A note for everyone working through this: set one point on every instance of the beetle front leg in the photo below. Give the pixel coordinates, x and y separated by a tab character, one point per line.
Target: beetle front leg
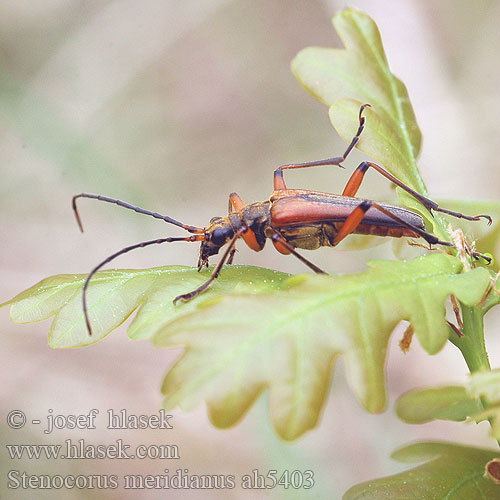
227	254
231	256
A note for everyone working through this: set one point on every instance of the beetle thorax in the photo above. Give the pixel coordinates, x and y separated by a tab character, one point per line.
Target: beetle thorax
220	230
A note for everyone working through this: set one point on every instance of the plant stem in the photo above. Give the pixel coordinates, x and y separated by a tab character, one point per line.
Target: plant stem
472	345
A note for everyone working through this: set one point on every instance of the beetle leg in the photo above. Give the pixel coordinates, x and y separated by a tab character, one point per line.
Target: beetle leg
354	182
277	238
235	203
231	256
352	186
227	254
352	221
356	216
430	238
279	182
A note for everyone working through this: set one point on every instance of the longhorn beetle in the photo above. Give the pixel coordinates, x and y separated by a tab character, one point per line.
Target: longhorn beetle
293	218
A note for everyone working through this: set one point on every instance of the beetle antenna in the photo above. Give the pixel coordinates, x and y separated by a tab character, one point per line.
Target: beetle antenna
198	237
191	229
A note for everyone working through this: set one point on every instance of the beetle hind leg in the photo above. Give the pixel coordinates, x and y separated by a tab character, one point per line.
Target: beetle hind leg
357	177
430	238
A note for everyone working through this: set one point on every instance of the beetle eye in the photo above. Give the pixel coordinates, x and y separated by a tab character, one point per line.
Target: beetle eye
218	237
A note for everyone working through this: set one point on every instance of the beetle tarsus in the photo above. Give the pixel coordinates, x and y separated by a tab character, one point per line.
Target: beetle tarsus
185	297
479	256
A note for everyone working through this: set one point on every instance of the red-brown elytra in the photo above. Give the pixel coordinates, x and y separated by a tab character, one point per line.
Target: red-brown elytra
293	218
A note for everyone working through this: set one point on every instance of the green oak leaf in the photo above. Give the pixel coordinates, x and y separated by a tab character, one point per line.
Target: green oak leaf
256	328
114	295
449	471
478	399
343	79
288	340
442	403
486	384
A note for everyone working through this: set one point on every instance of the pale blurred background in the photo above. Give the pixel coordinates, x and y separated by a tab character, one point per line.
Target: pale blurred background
171	106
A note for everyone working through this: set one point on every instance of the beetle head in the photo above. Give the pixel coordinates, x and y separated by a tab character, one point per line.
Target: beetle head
217	234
